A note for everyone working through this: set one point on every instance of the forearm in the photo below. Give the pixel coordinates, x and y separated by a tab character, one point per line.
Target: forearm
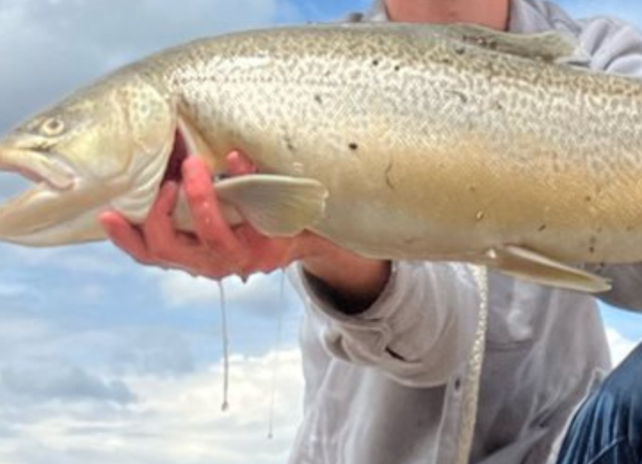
418	331
350	281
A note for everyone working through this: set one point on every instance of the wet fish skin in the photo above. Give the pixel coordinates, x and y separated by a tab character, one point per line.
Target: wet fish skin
416	142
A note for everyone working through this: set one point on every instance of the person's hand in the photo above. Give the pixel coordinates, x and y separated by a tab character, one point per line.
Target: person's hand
216	251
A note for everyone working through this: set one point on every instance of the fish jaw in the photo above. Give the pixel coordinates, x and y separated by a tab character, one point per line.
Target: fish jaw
43	216
55	210
35	166
25	214
62	206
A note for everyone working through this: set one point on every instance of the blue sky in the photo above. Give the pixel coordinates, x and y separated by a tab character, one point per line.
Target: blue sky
102	360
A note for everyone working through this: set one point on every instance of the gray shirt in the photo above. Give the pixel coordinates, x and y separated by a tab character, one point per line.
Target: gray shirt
384	387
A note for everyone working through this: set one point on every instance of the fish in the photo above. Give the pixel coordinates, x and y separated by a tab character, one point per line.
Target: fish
396	141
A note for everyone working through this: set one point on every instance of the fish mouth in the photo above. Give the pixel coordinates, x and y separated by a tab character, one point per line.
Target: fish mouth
58	196
37	167
46	169
51	177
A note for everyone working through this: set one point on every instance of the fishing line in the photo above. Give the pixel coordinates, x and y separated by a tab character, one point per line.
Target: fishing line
470	399
226	342
275	356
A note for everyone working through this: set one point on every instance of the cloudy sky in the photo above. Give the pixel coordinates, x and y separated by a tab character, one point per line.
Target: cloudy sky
104	361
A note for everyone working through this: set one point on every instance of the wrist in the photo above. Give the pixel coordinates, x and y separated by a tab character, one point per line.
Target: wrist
350	282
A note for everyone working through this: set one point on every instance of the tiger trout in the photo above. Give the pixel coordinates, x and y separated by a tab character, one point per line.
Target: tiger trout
422	142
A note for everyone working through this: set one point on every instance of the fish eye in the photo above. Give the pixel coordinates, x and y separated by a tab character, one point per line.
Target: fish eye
52	127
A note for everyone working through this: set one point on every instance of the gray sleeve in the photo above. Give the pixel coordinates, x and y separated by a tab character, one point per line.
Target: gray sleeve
420	329
615	47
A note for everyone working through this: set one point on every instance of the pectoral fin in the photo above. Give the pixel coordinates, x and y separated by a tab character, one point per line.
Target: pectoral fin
522	263
275	205
182	217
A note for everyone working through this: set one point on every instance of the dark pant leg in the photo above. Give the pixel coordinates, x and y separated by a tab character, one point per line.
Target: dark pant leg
607	429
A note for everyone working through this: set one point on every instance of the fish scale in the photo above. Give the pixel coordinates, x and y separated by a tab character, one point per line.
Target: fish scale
406	142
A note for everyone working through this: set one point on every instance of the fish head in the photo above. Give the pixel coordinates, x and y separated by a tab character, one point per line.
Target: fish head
106	146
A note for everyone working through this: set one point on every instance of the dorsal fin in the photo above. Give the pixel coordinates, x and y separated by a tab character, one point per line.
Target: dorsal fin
548	46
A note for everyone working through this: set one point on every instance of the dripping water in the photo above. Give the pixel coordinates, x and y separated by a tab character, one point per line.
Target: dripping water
275	356
226	355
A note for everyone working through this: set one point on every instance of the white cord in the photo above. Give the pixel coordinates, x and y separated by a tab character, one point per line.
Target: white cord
475	362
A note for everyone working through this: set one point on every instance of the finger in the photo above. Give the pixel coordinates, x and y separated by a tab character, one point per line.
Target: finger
209	224
267	253
124	236
236	164
166	200
158	230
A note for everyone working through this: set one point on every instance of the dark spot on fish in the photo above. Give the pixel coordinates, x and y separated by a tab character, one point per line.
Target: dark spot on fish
588	198
542	228
492	70
591	249
289	143
479	40
353	146
397	68
460	95
317	98
375	62
411	241
472	189
388	171
459	50
499	106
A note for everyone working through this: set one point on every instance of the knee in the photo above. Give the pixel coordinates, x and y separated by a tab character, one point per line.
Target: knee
624	384
617	404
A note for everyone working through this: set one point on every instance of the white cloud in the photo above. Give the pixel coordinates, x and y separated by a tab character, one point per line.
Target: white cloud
174	420
620	345
161	353
9	289
180	289
620	9
72	392
55	383
48	48
100	259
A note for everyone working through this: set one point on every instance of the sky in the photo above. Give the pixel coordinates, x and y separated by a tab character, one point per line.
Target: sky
102	360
